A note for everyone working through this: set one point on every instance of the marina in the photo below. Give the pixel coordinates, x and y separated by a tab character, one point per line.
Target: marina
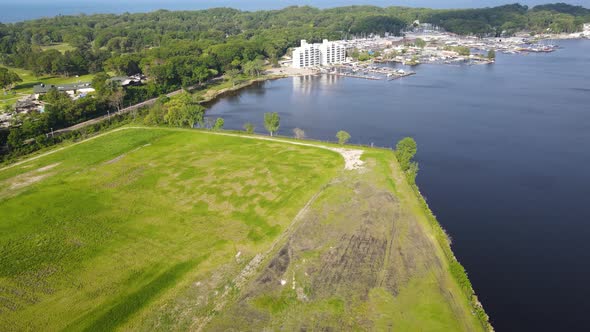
366	71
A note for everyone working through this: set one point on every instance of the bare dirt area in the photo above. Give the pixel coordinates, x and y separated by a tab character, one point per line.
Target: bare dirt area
355	238
10	186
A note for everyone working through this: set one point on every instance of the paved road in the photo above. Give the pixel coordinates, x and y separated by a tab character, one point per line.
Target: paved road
148	102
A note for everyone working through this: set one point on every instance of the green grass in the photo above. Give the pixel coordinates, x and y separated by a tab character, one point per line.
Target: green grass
99	235
61	47
147	229
29	80
365	258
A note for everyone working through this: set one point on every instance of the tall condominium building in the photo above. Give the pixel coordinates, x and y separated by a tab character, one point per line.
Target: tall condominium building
311	55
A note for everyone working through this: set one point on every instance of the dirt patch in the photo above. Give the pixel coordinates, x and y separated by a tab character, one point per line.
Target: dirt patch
48	167
114	160
21	182
352	158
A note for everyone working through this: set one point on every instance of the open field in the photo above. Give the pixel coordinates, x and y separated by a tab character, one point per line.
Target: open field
61	47
25	87
164	229
363	258
100	233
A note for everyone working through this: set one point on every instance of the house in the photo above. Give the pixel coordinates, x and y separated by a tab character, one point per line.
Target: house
133	80
28	104
70	89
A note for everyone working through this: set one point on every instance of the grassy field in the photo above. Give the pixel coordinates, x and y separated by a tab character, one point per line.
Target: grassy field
364	258
96	236
61	47
25	87
156	229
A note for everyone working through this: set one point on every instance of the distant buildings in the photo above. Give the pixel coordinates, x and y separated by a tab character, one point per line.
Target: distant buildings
71	89
125	81
314	55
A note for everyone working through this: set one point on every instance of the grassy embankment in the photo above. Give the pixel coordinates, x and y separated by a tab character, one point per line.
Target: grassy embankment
149	228
25	87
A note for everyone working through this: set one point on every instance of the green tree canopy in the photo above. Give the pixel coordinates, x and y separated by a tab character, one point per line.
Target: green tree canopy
405	150
342	137
272	121
8	78
249	127
218	124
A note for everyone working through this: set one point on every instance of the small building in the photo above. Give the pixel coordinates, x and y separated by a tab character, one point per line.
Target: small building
27	105
133	80
5	119
70	89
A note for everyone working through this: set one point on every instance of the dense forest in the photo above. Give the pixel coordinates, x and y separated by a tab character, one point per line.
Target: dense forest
182	48
169	45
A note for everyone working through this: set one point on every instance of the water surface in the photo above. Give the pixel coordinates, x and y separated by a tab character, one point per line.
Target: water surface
504	153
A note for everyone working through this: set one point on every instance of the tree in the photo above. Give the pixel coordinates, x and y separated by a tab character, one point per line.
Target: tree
182	112
272	122
299	133
254	68
116	98
492	54
201	74
420	43
231	75
8	78
249	128
405	150
218	124
194	115
342	137
100	84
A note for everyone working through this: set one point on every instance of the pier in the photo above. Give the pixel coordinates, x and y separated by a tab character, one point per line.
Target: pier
369	72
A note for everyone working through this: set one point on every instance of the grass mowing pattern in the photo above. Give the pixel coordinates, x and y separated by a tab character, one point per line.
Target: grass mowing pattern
130	304
108	230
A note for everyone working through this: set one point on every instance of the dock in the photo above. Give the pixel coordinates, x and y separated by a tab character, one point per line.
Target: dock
370	73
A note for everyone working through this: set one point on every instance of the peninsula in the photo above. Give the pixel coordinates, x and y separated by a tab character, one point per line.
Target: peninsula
125	207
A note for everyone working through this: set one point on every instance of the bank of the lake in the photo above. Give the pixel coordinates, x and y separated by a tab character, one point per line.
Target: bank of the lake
502	150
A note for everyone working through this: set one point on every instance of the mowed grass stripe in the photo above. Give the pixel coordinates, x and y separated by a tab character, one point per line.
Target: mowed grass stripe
76	243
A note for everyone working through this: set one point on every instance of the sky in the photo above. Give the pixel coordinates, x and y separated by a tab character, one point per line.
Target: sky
17	10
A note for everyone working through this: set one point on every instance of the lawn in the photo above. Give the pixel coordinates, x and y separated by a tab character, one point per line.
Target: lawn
157	229
100	235
61	47
29	80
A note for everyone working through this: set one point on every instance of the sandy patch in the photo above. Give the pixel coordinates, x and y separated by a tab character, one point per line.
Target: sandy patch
24	181
352	158
114	160
48	167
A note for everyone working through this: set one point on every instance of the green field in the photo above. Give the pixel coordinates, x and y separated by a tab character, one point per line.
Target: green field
165	229
61	47
25	87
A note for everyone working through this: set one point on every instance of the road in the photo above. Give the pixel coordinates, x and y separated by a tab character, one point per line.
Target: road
148	102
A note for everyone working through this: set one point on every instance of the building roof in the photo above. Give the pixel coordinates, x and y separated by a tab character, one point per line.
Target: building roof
44	88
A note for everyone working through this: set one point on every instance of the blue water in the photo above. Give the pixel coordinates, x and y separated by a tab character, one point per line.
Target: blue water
504	153
13	11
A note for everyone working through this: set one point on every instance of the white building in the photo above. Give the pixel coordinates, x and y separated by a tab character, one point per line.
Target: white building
312	55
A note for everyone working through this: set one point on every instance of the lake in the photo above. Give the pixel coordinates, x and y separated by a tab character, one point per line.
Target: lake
504	154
